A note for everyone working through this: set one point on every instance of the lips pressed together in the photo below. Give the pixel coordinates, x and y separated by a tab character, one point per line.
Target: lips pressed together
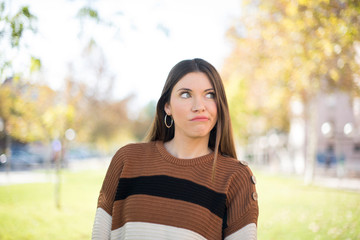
200	118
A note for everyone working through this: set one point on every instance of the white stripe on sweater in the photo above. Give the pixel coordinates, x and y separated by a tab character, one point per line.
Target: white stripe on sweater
248	232
149	231
152	231
102	225
138	230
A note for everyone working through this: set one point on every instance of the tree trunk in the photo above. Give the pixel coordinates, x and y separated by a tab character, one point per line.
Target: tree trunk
59	163
7	148
310	139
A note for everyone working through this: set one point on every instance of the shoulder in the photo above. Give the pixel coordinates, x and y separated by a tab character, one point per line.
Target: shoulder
136	148
241	180
233	165
238	172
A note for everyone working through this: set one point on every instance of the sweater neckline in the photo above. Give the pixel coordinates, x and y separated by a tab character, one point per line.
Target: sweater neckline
181	161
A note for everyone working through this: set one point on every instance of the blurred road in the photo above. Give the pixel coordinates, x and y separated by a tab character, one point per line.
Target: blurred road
32	176
352	184
20	177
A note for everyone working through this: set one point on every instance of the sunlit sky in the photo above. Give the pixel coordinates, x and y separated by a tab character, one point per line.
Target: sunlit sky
150	37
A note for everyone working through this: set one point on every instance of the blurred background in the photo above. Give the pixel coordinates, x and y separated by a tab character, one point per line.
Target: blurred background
79	79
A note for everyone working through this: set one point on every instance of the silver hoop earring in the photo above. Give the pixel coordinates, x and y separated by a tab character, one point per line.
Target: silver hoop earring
171	123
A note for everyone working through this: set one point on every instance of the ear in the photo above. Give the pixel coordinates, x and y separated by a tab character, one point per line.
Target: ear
167	109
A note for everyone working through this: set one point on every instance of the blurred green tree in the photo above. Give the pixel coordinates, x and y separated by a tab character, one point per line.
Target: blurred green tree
100	119
12	29
290	49
142	123
18	112
12	108
34	112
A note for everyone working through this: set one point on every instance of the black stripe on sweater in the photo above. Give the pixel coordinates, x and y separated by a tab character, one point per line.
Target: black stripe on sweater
173	188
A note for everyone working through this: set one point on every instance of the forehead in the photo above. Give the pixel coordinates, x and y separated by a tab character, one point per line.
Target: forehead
194	80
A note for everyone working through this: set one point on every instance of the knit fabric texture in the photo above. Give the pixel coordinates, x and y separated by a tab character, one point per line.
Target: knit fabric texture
149	194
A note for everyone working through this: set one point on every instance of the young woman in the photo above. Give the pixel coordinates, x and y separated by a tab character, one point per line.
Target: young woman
185	182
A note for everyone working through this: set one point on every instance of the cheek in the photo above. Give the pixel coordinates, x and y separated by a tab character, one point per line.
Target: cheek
179	109
213	109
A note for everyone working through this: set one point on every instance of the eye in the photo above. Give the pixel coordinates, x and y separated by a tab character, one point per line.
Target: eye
185	95
210	95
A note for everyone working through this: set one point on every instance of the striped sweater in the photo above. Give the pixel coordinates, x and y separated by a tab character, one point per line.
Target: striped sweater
149	194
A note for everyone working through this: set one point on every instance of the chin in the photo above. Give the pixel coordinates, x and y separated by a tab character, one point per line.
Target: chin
200	134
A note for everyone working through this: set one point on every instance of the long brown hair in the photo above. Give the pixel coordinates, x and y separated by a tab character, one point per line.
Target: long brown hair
221	136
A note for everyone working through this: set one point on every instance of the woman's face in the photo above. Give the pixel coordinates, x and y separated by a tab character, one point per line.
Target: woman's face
193	106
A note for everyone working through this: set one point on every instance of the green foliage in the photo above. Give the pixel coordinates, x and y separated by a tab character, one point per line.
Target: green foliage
12	29
18	23
22	107
35	64
285	49
32	112
88	12
141	125
15	25
13	110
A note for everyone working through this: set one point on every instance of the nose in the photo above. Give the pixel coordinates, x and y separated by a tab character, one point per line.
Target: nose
198	105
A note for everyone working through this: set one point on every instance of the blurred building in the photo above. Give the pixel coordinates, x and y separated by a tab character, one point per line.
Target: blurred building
334	135
337	135
338	124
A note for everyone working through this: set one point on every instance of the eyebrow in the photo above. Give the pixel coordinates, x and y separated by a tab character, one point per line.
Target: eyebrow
188	89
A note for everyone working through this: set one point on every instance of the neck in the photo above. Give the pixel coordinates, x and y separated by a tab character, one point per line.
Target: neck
187	148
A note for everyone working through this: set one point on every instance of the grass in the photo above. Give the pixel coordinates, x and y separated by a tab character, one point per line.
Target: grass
28	211
288	209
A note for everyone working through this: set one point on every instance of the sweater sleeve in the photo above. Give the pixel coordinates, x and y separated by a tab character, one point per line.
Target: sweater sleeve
242	205
103	216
